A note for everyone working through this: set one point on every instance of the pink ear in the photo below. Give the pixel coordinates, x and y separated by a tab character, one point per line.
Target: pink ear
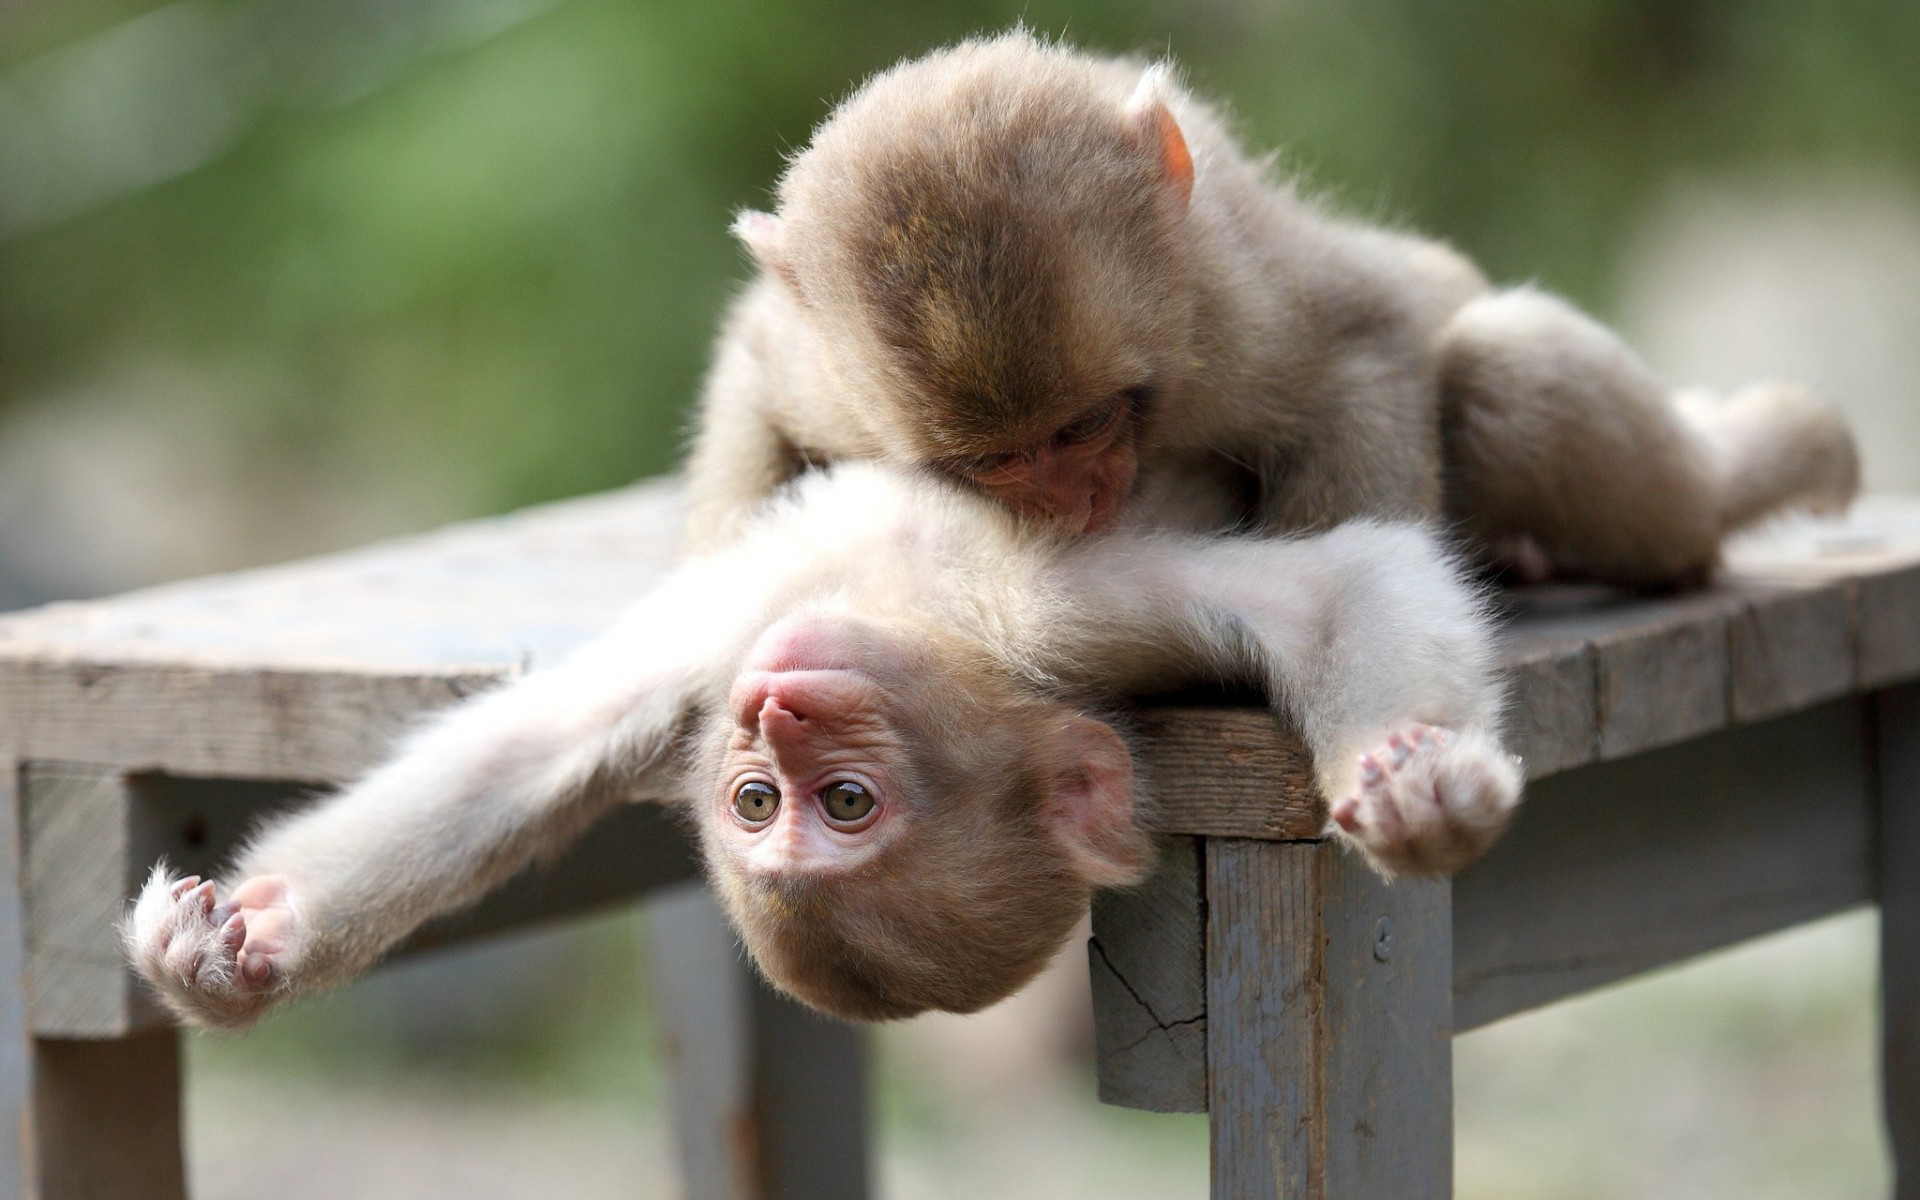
1151	118
759	232
1090	805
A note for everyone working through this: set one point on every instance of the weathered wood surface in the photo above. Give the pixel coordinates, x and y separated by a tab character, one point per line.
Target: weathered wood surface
1618	868
306	672
18	1175
1147	963
1329	1032
1897	742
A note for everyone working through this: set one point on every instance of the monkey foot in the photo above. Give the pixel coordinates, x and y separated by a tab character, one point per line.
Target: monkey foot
1429	801
213	964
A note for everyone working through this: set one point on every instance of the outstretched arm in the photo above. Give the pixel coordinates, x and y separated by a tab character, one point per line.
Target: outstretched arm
468	801
1367	640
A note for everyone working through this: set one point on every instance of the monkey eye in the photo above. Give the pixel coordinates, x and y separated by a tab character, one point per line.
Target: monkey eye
1090	426
989	464
1125	404
756	802
846	802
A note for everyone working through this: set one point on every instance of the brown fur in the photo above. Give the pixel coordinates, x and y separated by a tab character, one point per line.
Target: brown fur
975	895
979	245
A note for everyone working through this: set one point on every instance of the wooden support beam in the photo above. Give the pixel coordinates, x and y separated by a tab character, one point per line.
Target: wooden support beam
1329	1030
1618	868
769	1100
1897	738
80	1120
1147	962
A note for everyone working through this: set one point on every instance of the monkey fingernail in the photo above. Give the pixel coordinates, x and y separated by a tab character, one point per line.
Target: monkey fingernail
180	889
221	912
258	971
203	896
1370	769
233	931
1346	814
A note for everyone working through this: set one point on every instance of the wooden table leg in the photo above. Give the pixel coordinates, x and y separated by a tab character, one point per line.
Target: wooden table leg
769	1100
1329	1027
1897	730
85	1118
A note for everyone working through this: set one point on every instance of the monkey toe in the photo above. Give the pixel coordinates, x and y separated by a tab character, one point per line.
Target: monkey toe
191	951
1429	801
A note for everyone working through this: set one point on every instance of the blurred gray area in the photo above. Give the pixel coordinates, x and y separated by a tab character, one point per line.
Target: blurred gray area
281	276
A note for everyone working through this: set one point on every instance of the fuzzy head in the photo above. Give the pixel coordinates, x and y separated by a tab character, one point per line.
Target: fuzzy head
992	244
893	831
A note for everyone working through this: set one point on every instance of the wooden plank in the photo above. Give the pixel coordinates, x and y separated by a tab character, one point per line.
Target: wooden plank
1665	678
769	1100
1146	959
248	723
109	1119
1228	772
92	835
1897	743
489	595
1791	648
1622	867
1887	613
305	672
1874	554
1552	701
18	1168
1329	1054
80	864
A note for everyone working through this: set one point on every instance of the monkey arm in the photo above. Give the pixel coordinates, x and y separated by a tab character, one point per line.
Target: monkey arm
740	455
468	801
1368	643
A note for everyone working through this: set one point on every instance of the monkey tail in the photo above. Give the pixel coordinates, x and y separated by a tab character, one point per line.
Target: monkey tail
1776	447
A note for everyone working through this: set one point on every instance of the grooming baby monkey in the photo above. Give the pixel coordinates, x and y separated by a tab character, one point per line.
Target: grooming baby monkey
881	708
1059	278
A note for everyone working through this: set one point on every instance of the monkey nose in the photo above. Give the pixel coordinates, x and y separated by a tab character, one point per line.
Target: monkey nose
773	711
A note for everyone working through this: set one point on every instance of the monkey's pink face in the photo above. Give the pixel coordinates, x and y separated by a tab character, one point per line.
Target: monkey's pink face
815	766
1077	479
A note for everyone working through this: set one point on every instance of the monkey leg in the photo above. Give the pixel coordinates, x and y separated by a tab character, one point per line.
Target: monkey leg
1555	431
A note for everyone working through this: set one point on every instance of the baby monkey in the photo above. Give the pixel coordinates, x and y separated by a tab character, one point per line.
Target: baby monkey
887	709
1059	279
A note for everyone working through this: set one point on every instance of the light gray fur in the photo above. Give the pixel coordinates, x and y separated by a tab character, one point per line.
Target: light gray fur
1356	633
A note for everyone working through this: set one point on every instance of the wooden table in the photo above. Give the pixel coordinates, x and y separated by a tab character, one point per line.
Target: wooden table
1704	769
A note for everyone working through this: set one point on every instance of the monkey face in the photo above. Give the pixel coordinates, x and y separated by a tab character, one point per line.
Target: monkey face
993	250
890	836
1078	477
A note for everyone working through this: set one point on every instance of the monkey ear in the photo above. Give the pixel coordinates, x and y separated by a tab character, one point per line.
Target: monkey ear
760	233
1090	805
1153	123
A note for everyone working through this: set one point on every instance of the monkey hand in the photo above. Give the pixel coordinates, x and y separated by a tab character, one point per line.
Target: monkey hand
216	965
1429	801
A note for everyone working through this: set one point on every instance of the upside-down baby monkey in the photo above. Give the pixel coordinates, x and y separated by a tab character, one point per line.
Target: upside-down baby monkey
1058	278
888	709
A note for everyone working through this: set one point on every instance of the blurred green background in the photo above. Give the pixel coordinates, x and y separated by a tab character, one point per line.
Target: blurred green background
278	276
